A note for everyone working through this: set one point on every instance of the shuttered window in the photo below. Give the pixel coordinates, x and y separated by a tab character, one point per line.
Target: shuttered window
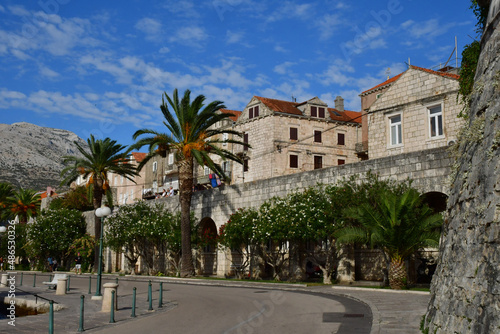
245	140
340	139
317	136
245	165
294	161
318	162
250	113
314	111
294	135
321	112
256	111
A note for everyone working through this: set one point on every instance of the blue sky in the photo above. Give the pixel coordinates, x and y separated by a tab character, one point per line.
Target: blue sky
101	66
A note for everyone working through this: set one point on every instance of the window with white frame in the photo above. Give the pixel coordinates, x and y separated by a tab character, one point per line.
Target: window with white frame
206	170
395	128
435	121
171	159
155	166
225	137
225	166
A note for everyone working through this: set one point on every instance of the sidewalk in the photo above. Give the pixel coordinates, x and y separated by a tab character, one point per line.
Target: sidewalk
393	311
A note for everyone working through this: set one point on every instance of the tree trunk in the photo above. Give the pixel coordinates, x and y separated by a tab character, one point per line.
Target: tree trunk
97	201
397	273
186	192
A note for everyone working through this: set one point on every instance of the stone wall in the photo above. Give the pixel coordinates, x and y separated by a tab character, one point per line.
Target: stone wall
466	287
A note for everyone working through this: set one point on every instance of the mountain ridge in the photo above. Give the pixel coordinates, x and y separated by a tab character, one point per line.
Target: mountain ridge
31	155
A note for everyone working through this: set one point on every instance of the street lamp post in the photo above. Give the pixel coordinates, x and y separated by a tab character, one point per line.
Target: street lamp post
101	212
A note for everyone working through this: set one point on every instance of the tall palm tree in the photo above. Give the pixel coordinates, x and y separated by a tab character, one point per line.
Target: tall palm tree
97	159
25	203
399	225
6	191
192	136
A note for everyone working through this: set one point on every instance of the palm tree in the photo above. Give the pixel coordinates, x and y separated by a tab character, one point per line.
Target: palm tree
191	137
6	191
25	203
96	160
399	225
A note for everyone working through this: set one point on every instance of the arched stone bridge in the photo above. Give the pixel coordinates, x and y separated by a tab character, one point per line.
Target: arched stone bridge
428	169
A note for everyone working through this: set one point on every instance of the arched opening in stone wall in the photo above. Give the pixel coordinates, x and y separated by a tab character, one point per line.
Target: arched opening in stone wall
436	200
207	233
424	263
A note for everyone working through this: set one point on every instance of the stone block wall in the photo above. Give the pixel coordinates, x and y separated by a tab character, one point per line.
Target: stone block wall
411	96
466	287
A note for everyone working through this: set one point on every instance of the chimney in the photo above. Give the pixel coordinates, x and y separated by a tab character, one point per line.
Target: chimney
339	103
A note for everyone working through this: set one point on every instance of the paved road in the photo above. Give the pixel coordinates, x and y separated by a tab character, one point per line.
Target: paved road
227	307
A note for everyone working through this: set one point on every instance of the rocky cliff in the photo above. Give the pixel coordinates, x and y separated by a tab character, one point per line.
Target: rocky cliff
30	155
466	287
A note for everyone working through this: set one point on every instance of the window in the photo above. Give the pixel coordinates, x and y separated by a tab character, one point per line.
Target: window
121	179
396	135
294	135
245	165
245	140
341	162
314	111
155	166
294	161
435	121
225	137
253	112
171	159
318	162
321	112
340	139
317	136
206	170
225	166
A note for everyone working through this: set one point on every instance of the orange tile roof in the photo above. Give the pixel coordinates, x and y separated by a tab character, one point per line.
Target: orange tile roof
236	114
443	74
281	106
345	116
138	156
384	83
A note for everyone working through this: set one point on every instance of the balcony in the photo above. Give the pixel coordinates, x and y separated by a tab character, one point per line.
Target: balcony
361	148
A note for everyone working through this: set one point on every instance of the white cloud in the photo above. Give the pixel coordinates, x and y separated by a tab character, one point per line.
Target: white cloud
47	72
18	10
291	10
2	9
164	50
183	8
189	35
427	29
121	74
150	27
283	67
327	25
233	37
279	48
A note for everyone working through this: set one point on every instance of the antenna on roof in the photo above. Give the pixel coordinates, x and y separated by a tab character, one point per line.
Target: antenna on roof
409	62
294	99
388	72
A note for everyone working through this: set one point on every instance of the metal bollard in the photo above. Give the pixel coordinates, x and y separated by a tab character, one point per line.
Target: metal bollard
150	296
160	298
112	314
80	327
50	277
21	284
90	284
51	317
116	280
133	302
149	287
69	280
34	279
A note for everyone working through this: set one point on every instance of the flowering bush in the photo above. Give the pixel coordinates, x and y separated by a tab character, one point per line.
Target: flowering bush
53	233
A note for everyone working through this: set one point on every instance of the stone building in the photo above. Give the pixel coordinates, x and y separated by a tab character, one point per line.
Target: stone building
124	190
413	111
290	137
159	173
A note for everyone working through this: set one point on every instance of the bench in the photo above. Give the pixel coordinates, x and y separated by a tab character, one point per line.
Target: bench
53	284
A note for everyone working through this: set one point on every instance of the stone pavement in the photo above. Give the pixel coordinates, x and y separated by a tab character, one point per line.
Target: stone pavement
393	311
